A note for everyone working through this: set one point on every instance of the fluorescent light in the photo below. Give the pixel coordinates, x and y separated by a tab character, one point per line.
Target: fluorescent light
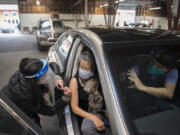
105	5
37	2
119	1
155	8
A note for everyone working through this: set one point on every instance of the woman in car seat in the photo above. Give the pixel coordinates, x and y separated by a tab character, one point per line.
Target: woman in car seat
28	85
87	100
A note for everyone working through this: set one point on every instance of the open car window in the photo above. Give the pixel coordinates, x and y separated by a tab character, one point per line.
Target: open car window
148	114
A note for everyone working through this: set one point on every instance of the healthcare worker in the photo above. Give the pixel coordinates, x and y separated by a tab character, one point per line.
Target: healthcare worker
28	86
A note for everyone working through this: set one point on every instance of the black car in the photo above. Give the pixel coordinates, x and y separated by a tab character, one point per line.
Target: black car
115	51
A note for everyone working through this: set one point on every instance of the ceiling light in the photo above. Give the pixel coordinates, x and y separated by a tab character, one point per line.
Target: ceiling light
37	2
105	5
155	8
119	1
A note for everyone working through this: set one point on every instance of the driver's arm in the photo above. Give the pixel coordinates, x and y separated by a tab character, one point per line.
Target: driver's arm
169	87
166	92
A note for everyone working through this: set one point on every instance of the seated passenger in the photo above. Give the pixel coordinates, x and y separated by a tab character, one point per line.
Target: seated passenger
158	78
87	100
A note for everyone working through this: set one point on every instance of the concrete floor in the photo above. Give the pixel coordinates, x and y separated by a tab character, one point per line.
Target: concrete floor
13	48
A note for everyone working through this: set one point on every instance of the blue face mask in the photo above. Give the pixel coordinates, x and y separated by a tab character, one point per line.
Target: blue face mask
85	74
155	71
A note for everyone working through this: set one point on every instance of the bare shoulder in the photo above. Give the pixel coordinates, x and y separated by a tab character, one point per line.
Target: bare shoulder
73	81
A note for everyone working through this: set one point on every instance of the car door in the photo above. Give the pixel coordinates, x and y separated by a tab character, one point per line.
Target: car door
60	52
14	122
71	120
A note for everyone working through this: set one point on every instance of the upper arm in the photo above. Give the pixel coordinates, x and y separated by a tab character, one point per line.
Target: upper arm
171	80
172	77
170	89
74	90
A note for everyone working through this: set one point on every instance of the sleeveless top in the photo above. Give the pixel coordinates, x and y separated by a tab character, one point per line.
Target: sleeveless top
83	96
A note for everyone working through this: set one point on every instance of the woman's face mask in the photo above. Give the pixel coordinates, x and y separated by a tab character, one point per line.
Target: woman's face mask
154	70
84	74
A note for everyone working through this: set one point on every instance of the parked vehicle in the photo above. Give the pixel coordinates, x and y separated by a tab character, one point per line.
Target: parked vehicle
115	51
7	28
48	31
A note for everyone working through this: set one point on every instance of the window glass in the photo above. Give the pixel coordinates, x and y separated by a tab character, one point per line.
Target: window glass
148	113
13	13
46	24
9	126
64	45
58	24
6	13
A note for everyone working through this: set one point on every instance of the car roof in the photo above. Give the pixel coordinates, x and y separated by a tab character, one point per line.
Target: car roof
110	36
130	34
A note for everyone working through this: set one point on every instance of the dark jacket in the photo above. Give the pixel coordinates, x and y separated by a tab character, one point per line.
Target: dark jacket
28	100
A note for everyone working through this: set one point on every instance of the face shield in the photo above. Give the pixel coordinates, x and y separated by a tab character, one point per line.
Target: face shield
45	76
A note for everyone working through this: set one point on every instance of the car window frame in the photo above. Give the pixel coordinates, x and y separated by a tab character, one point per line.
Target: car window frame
71	119
70	60
64	65
20	116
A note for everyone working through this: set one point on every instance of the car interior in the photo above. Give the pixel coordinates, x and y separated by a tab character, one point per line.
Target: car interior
148	119
77	121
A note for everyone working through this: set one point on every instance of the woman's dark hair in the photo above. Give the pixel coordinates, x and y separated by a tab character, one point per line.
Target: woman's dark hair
165	59
86	55
30	66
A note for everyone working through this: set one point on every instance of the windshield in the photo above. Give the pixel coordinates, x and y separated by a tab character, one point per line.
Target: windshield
131	67
44	24
58	24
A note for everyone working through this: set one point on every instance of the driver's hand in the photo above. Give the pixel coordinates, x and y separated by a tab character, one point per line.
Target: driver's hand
132	76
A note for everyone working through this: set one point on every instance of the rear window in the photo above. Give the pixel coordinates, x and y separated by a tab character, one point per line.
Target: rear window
150	115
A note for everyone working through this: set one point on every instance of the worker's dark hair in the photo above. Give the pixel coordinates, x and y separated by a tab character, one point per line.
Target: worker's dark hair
30	66
165	59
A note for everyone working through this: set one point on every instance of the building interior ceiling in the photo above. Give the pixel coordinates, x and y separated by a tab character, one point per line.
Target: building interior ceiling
73	3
